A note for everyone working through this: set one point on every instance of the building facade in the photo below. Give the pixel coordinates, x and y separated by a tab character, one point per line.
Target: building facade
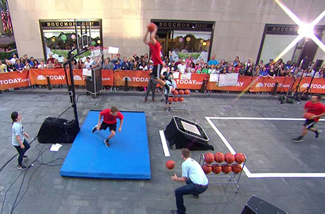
222	27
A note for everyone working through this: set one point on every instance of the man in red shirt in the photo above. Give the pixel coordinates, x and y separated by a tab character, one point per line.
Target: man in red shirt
109	120
155	56
316	108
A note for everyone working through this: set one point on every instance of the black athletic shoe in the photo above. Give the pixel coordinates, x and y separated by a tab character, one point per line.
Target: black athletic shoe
297	140
21	167
318	133
94	129
106	143
174	212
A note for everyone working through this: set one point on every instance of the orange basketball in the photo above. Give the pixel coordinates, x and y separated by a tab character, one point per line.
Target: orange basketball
181	99
170	99
207	168
175	99
229	158
175	92
209	158
181	92
151	27
187	92
240	158
307	115
216	168
219	157
226	168
170	164
236	168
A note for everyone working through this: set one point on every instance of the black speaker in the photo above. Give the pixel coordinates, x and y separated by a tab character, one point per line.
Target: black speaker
256	205
58	130
181	133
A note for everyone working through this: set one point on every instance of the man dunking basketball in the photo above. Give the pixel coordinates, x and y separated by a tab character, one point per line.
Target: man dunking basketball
316	108
109	121
155	56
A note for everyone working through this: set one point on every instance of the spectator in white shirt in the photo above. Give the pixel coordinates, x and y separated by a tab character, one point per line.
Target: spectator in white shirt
182	67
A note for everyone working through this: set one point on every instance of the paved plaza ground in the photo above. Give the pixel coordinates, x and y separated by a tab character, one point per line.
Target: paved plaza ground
266	142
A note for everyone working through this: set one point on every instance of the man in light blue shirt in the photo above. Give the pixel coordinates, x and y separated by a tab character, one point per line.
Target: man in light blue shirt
195	178
213	60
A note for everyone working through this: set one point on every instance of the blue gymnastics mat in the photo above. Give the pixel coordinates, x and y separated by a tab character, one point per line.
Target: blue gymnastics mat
126	158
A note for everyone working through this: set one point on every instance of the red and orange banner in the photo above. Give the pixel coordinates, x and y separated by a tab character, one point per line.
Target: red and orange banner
39	76
195	82
14	80
134	78
141	79
107	77
267	84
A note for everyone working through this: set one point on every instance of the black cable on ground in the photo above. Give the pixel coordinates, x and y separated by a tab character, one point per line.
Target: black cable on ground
41	163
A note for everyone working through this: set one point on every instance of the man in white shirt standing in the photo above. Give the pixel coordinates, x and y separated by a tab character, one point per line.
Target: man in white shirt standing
182	67
195	178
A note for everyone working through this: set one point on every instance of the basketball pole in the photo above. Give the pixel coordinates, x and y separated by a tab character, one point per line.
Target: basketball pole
71	56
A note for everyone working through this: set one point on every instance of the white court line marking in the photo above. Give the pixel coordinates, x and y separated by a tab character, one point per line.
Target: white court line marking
164	143
256	118
261	175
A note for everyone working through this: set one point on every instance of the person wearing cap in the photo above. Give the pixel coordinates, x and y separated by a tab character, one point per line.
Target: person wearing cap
182	67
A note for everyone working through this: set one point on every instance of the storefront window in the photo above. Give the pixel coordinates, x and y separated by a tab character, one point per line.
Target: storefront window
193	43
59	39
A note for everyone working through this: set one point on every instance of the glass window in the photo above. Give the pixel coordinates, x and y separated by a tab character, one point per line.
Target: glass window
60	42
193	43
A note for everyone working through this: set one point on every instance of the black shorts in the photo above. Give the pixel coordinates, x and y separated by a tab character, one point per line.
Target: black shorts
112	127
309	123
156	71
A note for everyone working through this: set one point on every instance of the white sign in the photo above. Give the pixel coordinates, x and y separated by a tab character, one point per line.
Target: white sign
86	72
186	76
228	79
113	50
214	78
176	75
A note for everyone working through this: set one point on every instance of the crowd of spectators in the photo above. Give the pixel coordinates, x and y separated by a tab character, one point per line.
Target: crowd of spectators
213	66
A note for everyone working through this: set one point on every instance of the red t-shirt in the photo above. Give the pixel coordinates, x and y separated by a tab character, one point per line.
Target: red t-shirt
155	53
316	109
110	119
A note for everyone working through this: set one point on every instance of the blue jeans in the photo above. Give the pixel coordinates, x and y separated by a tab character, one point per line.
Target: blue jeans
189	189
21	151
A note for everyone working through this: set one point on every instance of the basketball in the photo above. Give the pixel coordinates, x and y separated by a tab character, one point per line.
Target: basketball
219	157
170	99
187	92
226	168
229	158
208	158
175	92
170	164
307	115
207	168
175	99
180	99
240	158
181	92
151	27
216	168
236	168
